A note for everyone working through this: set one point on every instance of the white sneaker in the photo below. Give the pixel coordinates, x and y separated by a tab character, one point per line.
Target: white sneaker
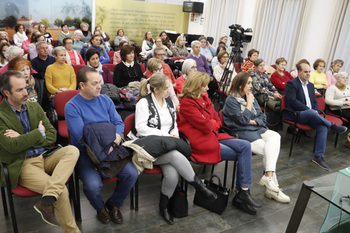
269	183
279	196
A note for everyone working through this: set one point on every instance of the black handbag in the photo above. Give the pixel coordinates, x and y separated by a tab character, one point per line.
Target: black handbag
219	205
178	204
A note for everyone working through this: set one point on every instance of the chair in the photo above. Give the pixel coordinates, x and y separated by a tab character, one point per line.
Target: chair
297	126
110	66
128	124
142	68
0	98
274	66
237	66
77	68
110	55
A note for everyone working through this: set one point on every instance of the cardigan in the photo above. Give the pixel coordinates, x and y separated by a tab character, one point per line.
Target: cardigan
123	74
13	151
335	97
318	79
280	81
57	77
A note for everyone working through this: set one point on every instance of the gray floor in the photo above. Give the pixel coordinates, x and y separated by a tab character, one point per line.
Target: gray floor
272	217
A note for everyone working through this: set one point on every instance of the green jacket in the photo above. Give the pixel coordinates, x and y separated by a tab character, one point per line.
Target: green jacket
13	151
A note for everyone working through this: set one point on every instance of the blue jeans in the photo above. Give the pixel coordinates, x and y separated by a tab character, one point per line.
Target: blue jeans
240	151
92	182
312	118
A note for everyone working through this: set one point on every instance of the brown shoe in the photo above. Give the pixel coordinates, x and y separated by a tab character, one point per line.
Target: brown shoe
114	213
47	212
103	216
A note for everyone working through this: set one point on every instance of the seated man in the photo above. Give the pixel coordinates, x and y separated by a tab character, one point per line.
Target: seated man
43	60
25	136
300	98
85	108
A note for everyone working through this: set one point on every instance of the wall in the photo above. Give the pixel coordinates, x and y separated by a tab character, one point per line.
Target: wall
196	21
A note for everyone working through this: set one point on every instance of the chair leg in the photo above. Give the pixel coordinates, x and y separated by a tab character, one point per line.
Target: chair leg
71	189
234	174
204	167
132	199
336	140
137	195
77	209
4	203
12	207
291	145
212	169
225	173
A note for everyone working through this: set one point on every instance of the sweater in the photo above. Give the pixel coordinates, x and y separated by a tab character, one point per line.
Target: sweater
318	79
119	39
85	39
330	77
18	38
61	36
280	81
123	74
179	51
25	46
78	45
208	52
202	64
57	77
40	65
335	97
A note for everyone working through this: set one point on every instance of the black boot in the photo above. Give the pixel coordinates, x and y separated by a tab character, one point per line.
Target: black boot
200	187
244	196
239	204
163	207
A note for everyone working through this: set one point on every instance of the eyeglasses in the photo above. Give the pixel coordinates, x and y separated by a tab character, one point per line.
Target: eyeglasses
161	54
224	56
194	67
344	77
69	42
159	69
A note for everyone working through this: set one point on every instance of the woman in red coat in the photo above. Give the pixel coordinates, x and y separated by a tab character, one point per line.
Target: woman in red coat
280	77
199	121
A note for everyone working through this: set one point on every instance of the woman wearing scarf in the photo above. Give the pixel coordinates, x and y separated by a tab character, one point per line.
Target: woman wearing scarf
20	35
93	61
243	115
72	57
147	44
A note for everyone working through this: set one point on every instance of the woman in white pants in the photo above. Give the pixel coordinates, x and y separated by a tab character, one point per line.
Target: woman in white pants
242	114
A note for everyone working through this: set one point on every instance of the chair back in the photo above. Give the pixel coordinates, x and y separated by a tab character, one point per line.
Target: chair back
61	99
274	66
283	103
321	103
128	124
0	98
110	55
110	66
142	68
77	68
177	58
221	116
237	67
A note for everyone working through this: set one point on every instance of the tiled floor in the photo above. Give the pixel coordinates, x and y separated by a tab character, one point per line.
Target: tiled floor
272	217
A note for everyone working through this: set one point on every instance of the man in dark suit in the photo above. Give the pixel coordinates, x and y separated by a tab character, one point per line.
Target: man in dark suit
300	97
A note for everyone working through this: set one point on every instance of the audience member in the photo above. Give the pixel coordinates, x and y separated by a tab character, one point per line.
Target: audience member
220	68
63	34
336	65
207	50
3	40
93	61
33	52
159	44
165	39
105	45
159	53
72	57
78	44
20	35
199	122
280	77
202	64
120	37
242	114
47	35
86	36
223	42
96	44
60	76
128	70
248	66
43	60
180	50
189	66
26	136
91	107
318	78
116	56
215	61
11	52
301	99
3	48
25	43
5	35
104	35
147	44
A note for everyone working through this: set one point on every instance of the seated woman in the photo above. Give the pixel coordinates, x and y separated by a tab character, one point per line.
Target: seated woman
157	105
338	96
207	50
93	61
78	44
128	70
223	42
47	35
318	78
104	35
35	86
20	35
200	123
280	77
180	50
36	37
215	61
248	66
72	57
104	44
60	76
63	34
189	66
219	69
86	36
147	44
201	61
25	44
263	90
3	47
116	56
243	115
156	66
120	37
159	43
96	44
165	39
336	65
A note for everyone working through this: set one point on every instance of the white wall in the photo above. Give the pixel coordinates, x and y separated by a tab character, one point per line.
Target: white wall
197	26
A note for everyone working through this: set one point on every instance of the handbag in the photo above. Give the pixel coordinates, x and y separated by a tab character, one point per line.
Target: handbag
178	204
219	205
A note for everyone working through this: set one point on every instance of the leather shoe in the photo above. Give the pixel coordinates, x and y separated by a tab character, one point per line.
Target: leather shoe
339	128
239	204
244	196
47	212
103	216
114	213
320	162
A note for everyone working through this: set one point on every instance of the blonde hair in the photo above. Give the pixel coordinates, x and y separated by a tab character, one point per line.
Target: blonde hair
157	80
153	64
177	41
193	84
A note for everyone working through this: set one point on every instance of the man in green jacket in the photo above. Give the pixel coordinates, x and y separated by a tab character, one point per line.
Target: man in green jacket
25	138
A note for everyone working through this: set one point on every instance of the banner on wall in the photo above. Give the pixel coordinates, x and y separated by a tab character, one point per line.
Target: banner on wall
138	17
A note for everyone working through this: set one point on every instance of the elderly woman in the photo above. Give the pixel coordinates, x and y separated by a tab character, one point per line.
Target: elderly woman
200	123
47	35
280	77
63	34
20	35
207	49
3	47
189	66
86	36
158	43
317	77
78	44
72	57
33	52
338	96
25	44
10	53
180	50
165	39
128	70
264	90
96	44
60	76
202	64
116	56
243	115
120	37
93	61
248	66
336	65
220	68
147	44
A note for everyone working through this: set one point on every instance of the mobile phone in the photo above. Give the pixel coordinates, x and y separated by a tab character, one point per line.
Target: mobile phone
52	150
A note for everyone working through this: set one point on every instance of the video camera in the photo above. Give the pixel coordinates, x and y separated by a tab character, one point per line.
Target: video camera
238	34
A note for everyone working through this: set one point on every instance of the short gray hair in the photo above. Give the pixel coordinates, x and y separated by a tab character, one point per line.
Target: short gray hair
194	42
13	51
57	49
39	43
157	49
340	74
337	61
258	61
78	32
187	65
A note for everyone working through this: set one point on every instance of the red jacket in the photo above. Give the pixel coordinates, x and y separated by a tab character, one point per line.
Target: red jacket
197	121
280	81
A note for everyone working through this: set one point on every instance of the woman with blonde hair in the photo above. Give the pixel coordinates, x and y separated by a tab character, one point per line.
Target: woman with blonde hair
180	50
86	36
47	35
